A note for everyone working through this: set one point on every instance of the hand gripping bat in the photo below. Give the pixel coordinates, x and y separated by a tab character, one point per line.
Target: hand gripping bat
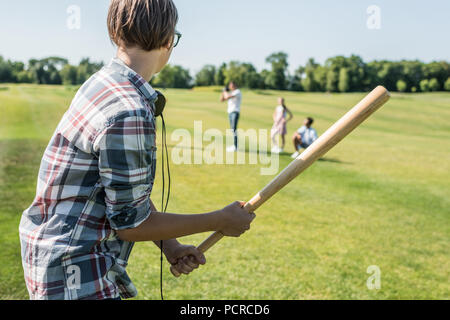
352	119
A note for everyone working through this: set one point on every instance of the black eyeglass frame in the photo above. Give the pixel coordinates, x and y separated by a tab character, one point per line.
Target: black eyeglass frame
176	38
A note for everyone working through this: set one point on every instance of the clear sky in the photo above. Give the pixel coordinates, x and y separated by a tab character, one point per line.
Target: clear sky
246	30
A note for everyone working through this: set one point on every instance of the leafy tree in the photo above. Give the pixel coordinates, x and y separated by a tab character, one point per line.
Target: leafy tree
295	82
235	73
69	74
46	71
356	71
332	81
219	77
320	78
264	75
277	78
337	74
24	77
86	68
344	80
5	71
385	73
447	85
243	74
37	69
173	77
16	68
439	70
206	76
434	85
55	77
308	82
253	79
412	73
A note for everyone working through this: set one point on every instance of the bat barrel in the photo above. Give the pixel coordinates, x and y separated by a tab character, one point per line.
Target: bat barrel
351	120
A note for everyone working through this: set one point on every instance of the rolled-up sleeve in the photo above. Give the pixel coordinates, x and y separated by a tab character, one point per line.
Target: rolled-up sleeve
127	160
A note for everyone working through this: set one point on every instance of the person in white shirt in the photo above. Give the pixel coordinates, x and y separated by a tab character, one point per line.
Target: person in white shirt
304	137
234	98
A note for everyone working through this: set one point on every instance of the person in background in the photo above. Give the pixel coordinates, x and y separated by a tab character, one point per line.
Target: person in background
279	125
234	97
304	137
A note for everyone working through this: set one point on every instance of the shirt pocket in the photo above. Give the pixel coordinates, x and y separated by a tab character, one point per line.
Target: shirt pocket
84	274
117	274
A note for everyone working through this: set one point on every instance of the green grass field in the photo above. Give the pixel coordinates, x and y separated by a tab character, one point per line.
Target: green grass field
381	197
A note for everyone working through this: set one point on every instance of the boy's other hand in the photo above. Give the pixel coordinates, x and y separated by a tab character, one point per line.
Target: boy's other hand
235	220
185	258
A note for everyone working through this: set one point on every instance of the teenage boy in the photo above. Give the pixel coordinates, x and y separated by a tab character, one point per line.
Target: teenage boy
304	136
92	199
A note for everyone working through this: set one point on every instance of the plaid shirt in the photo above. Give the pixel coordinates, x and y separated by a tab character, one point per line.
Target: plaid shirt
95	177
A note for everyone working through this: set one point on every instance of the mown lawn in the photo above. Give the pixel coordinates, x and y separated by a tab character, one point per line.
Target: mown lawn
380	198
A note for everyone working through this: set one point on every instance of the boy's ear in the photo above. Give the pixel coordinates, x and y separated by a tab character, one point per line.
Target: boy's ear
168	45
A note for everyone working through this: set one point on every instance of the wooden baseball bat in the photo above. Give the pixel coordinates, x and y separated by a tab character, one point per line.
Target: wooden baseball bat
352	119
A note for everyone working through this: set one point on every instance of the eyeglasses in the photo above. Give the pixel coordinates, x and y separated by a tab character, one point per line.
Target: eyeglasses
176	38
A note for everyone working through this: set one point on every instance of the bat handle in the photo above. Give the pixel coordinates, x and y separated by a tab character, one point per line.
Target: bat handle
211	240
203	247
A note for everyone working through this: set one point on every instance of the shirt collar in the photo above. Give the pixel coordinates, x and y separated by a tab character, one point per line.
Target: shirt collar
143	86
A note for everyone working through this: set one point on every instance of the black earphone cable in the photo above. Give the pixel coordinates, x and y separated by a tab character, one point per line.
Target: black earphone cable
164	161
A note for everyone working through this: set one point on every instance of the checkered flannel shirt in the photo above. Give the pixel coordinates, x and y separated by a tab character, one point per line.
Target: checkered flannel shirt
95	177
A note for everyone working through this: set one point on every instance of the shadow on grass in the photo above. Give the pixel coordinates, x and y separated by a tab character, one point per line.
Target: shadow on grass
263	93
332	160
282	154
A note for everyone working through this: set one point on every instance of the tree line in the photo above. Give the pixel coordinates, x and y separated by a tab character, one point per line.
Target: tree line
336	74
51	70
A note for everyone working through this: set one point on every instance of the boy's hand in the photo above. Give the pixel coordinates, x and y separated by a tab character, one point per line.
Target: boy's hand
235	220
185	259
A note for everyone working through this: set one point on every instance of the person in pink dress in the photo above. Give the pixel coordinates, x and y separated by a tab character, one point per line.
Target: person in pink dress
280	120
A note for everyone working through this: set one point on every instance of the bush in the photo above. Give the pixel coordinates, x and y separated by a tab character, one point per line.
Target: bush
401	86
25	77
424	85
434	85
447	85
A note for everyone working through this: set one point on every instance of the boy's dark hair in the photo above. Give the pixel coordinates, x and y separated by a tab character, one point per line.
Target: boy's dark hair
148	24
310	121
